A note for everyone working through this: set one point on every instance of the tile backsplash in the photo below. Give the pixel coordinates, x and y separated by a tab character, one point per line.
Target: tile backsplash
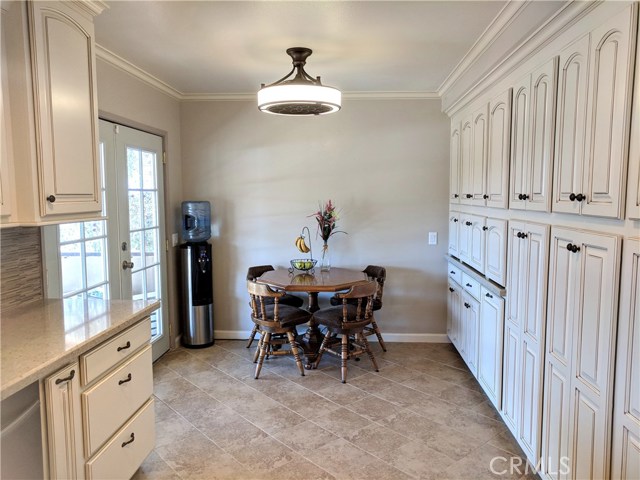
21	278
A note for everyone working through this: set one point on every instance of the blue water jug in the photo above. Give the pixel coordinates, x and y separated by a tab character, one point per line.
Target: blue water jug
196	221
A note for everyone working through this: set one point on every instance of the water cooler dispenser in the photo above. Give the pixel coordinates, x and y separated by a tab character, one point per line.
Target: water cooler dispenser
197	278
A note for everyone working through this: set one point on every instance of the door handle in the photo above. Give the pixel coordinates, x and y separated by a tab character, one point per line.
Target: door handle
126	265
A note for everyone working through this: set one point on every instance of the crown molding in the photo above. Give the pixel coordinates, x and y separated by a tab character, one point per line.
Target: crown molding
91	7
128	67
497	27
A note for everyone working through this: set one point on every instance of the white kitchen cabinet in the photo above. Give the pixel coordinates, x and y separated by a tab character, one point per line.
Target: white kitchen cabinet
534	100
7	187
625	458
454	227
454	302
633	178
495	192
470	319
54	114
490	331
64	424
496	250
592	134
480	129
528	254
580	353
466	160
454	162
471	241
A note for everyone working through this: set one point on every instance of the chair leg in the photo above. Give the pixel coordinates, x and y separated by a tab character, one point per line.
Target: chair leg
367	348
258	348
252	336
378	334
323	347
264	345
345	356
296	353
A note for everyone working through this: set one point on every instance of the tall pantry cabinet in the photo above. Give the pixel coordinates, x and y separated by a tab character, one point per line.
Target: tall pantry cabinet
566	119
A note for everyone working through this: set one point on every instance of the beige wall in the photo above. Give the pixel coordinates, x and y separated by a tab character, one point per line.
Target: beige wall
383	162
129	101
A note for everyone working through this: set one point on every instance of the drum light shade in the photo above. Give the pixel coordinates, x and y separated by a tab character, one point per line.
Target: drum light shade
302	94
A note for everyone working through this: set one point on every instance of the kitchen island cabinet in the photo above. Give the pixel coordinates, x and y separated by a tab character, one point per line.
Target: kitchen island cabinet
84	353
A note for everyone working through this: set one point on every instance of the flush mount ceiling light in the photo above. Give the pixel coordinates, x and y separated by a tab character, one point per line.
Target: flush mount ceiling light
300	95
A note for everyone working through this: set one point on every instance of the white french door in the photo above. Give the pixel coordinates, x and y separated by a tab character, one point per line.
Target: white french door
135	209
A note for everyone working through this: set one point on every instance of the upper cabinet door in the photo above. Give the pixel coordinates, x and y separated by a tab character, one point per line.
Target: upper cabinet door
454	227
479	162
519	143
7	191
466	159
454	163
570	126
543	101
609	103
499	137
496	250
633	182
66	113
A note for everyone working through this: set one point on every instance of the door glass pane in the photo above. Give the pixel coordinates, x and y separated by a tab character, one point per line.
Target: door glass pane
69	232
152	283
137	285
150	209
148	170
94	229
96	262
135	212
133	167
71	267
136	251
99	292
151	247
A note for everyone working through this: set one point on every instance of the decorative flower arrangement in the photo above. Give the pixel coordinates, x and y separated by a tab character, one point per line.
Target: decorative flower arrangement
326	217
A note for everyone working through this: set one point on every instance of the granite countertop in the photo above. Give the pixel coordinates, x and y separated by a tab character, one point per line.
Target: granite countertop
41	337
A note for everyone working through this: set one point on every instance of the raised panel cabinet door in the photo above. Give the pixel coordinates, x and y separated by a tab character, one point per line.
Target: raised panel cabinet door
633	179
570	126
7	192
530	407
464	237
517	271
454	163
490	330
454	302
64	424
499	137
535	269
471	319
542	114
608	119
511	377
519	143
478	242
479	154
496	250
555	424
593	357
466	161
625	457
454	227
63	62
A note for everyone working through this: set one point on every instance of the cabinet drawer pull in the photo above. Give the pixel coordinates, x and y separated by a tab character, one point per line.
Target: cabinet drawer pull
467	305
128	379
488	295
469	285
452	272
451	289
51	198
126	345
66	379
124	444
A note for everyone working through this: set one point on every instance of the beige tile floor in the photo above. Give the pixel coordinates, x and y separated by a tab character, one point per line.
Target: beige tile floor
422	416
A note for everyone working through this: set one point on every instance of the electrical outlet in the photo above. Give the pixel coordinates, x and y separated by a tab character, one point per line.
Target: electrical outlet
433	238
174	239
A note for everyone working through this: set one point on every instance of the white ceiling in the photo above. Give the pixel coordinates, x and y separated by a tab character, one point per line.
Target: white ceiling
231	47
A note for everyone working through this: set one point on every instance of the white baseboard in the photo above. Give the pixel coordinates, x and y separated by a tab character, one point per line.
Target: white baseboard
388	337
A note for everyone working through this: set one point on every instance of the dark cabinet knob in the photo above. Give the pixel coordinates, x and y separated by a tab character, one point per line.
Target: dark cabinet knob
485	196
469	285
521	235
51	198
455	220
467	305
572	197
468	195
451	289
485	228
488	295
573	248
580	197
525	196
520	196
455	195
452	272
468	224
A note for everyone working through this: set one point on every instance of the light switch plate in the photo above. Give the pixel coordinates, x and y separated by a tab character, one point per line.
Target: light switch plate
433	238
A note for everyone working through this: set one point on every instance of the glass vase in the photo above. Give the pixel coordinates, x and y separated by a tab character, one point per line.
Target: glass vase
325	261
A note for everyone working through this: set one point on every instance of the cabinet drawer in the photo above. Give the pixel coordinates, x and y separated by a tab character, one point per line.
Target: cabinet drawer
454	272
470	285
111	401
121	457
109	354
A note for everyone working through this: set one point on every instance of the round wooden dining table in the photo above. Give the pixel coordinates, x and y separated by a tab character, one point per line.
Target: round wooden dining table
331	281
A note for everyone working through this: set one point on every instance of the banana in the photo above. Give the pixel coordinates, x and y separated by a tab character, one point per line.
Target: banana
301	245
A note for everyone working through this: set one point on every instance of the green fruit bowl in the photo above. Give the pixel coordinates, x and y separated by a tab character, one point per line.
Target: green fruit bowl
303	264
